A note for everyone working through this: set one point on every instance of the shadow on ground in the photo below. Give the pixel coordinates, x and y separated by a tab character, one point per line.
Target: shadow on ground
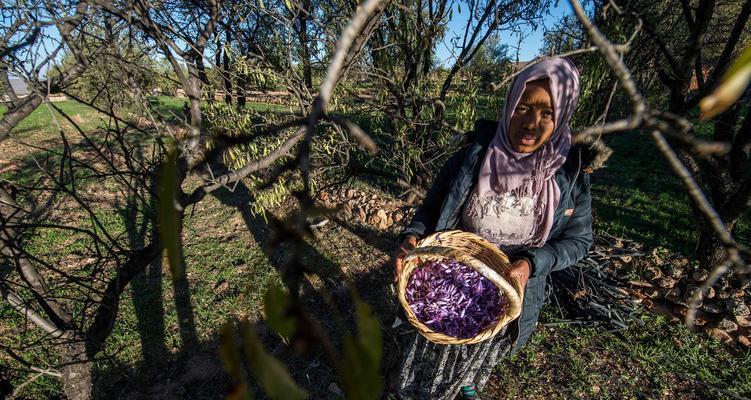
193	369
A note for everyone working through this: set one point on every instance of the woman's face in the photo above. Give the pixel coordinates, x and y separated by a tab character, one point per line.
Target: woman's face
533	121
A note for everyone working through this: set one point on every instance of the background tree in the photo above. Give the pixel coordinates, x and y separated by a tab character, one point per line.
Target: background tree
151	168
677	58
410	93
23	52
491	62
161	169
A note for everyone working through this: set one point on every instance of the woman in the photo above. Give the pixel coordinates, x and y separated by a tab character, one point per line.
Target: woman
520	185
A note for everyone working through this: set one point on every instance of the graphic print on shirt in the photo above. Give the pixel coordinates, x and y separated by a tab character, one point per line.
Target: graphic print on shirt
506	220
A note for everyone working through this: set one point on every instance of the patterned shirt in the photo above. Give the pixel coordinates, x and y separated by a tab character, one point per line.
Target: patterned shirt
505	220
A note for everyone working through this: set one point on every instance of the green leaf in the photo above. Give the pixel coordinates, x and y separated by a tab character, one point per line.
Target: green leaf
169	221
288	4
731	88
229	354
260	3
272	375
742	62
362	356
276	304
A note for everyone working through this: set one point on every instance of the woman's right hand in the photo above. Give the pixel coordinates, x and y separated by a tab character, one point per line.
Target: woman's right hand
407	245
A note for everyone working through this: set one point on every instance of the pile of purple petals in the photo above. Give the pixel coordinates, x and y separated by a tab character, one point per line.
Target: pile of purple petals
454	299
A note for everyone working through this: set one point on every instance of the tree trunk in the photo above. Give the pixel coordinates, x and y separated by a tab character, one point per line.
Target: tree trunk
76	374
226	69
16	115
303	36
5	80
193	91
710	251
725	181
242	83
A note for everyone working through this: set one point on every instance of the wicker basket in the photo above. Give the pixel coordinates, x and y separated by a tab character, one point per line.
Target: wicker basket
475	252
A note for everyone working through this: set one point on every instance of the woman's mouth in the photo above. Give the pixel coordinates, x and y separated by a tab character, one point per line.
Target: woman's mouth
527	140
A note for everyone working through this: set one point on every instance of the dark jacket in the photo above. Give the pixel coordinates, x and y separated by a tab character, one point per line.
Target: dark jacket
570	236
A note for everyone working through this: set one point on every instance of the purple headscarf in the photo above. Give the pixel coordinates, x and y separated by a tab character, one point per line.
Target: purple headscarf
531	174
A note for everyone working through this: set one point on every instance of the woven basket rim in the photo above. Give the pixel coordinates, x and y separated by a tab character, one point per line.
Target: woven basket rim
433	247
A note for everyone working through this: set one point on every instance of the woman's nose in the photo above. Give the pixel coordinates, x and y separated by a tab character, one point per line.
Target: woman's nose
531	120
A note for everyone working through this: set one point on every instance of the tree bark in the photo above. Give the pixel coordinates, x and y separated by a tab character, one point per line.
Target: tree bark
10	216
5	80
193	91
16	115
226	77
303	36
242	83
710	251
76	373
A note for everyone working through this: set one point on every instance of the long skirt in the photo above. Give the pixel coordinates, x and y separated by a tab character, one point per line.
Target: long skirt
435	371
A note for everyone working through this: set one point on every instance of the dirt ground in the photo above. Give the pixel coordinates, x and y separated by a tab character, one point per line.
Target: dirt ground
352	249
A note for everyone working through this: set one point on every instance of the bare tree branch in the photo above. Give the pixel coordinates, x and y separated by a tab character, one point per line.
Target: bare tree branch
18	304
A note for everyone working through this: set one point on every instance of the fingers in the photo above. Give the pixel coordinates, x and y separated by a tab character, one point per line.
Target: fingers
407	245
399	262
397	269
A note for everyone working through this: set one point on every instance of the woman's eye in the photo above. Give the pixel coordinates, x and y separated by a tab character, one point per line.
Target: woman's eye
547	114
522	109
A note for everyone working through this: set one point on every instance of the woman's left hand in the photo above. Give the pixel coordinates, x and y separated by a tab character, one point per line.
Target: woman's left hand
521	270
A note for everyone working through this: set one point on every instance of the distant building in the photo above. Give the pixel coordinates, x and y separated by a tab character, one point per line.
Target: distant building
23	89
20	88
54	98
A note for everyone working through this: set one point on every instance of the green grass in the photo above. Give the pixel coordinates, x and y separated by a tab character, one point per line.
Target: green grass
161	325
657	360
639	197
226	280
42	120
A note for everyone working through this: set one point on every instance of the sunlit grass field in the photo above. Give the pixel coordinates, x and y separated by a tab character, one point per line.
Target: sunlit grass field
164	329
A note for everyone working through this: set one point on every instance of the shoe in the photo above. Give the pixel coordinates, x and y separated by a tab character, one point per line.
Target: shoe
469	392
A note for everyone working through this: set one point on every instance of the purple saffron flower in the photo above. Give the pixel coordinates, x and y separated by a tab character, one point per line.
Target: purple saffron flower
454	299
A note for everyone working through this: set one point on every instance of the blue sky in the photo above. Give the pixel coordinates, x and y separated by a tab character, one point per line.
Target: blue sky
530	46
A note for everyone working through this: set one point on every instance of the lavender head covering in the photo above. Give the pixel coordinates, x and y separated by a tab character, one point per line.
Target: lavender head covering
529	174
